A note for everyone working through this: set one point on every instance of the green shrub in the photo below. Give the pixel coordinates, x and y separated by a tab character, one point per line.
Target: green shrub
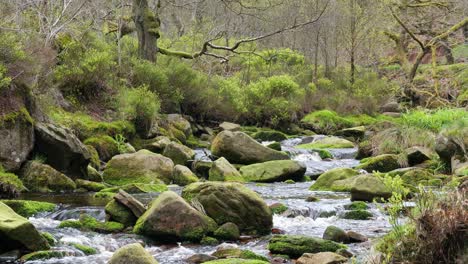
434	120
327	121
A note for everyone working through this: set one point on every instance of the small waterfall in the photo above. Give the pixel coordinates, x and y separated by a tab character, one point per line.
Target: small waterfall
75	212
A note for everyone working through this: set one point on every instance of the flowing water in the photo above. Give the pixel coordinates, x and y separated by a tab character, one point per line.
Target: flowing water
304	218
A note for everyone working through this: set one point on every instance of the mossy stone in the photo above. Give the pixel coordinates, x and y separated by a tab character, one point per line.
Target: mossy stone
336	234
27	208
178	153
10	185
269	135
228	231
357	215
356	205
40	177
137	188
90	185
327	181
49	237
87	250
381	163
132	253
236	261
106	146
183	175
274	171
43	255
275	146
295	245
120	213
230	253
278	208
210	241
222	170
327	143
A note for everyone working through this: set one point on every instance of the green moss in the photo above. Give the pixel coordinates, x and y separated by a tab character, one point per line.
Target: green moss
295	245
94	162
275	146
323	153
210	241
236	261
104	195
228	231
29	208
357	205
230	253
85	249
42	255
326	121
326	181
89	185
327	143
193	142
269	135
106	146
49	237
71	224
357	215
87	222
381	163
10	185
137	188
120	213
278	208
22	115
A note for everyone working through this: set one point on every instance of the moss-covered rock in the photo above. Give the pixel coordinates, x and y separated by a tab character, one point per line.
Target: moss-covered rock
227	231
87	250
87	222
364	149
38	177
417	155
179	153
336	234
43	255
326	122
278	208
27	208
232	202
132	253
90	185
230	253
222	170
295	246
94	161
238	147
274	171
381	163
357	215
202	168
352	132
357	205
140	167
327	143
229	126
327	181
16	232
275	146
236	261
106	146
158	144
321	258
183	175
119	213
10	185
160	221
137	188
269	135
368	187
93	175
50	238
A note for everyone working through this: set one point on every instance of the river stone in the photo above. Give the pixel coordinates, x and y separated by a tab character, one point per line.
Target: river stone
238	147
200	258
183	176
448	147
16	232
171	218
179	122
321	258
222	170
270	136
141	167
229	126
63	150
158	145
353	132
38	177
367	187
230	253
417	155
274	171
336	234
132	253
328	180
232	202
237	261
179	153
327	143
228	231
296	245
381	163
10	185
355	237
118	212
17	140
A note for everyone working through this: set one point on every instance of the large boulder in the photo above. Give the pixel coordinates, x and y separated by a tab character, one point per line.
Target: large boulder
269	135
222	170
232	202
295	245
327	143
367	187
10	185
140	167
38	177
171	218
183	176
63	150
17	139
238	147
16	232
179	122
132	253
179	153
321	258
332	180
417	155
229	126
336	234
274	171
381	163
353	132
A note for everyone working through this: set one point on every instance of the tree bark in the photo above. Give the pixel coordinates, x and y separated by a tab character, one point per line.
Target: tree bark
147	26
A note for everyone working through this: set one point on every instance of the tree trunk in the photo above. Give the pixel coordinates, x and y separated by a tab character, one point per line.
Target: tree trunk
416	64
353	41
147	26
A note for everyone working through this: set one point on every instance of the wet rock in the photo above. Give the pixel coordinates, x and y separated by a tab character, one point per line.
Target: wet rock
321	258
222	170
228	231
118	212
381	163
44	255
105	145
89	185
275	146
292	213
268	135
332	180
200	258
353	132
417	155
10	185
63	150
140	167
311	199
179	122
161	222
38	177
230	253
345	253
27	208
295	246
277	231
327	143
183	176
355	237
202	168
132	253
158	145
336	234
237	261
179	153
274	171
357	215
238	147
278	208
357	205
17	232
368	187
231	202
229	126
93	175
364	149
